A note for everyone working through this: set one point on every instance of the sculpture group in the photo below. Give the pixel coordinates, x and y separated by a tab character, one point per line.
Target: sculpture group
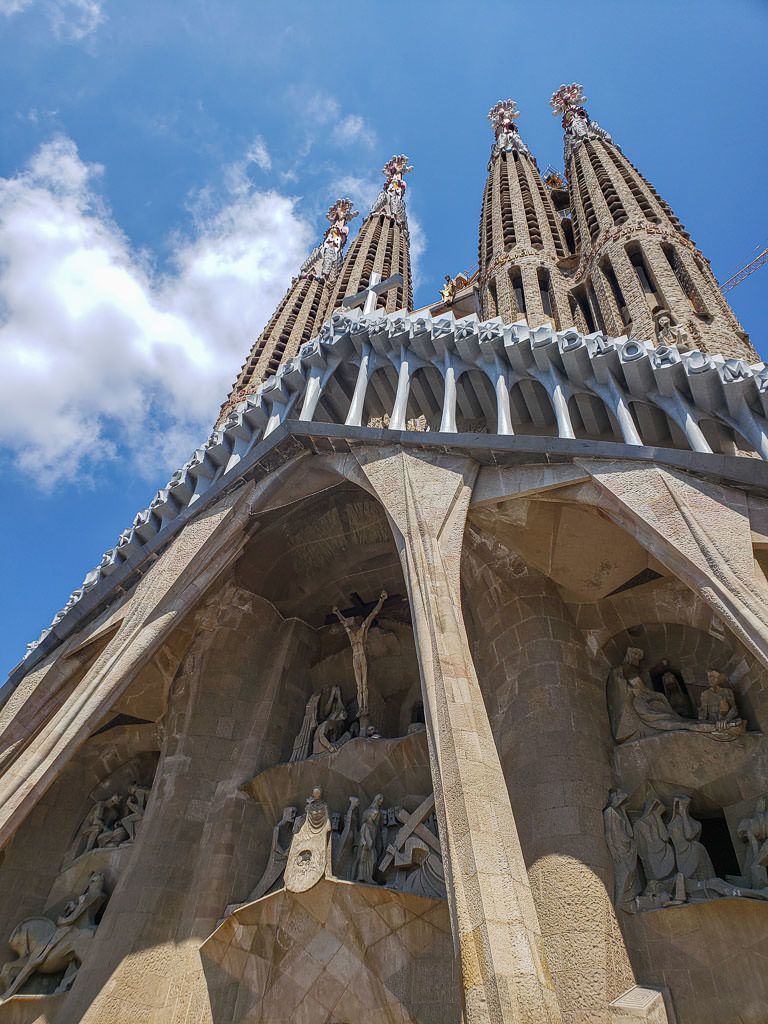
381	845
111	822
327	723
641	711
660	861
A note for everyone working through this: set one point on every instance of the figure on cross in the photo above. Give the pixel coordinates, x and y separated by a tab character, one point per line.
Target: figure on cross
357	631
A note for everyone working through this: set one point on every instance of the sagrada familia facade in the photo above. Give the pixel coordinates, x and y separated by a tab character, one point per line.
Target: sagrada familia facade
433	687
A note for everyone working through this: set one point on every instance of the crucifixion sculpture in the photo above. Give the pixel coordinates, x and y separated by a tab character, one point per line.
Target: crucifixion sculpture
357	631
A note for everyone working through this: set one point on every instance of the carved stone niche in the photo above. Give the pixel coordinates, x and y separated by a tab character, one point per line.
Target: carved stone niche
113	818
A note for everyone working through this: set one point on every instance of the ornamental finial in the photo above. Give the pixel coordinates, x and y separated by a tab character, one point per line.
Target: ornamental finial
325	259
502	116
393	193
569	101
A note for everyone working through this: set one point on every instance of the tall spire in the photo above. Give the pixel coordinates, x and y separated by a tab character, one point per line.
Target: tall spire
639	272
521	238
300	312
382	246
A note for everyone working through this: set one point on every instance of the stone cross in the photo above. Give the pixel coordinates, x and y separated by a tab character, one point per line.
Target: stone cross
367	297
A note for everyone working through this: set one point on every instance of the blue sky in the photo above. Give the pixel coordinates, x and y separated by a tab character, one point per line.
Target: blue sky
165	166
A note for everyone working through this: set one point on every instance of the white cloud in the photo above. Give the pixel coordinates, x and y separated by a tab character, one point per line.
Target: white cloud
236	174
257	154
352	129
362	190
104	357
70	19
320	108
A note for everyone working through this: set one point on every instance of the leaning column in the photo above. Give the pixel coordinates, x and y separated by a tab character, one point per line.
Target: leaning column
495	927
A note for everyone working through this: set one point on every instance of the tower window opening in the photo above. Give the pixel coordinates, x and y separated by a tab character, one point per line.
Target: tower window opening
597	314
534	231
618	294
586	202
546	296
684	280
493	300
632	183
644	275
507	219
488	217
611	196
516	280
582	303
554	230
579	320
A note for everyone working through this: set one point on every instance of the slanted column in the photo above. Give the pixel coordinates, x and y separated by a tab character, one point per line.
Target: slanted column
397	419
356	406
495	926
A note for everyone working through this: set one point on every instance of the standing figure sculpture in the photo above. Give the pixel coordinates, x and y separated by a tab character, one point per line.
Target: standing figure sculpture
357	631
620	838
368	841
692	858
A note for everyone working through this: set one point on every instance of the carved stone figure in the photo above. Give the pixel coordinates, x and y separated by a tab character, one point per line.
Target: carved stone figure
718	704
325	721
303	742
357	631
46	948
448	292
691	857
754	832
668	333
278	855
329	735
368	841
114	833
654	848
135	804
620	837
646	712
309	858
415	853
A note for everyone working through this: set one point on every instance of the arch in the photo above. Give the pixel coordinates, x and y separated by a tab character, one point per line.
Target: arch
655	427
724	440
336	398
380	396
475	403
425	397
531	409
591	419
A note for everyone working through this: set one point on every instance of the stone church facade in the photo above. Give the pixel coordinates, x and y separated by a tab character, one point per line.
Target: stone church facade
433	687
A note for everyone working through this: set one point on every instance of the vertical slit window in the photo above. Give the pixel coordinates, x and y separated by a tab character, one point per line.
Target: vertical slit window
618	294
644	276
516	280
493	301
507	220
545	286
684	280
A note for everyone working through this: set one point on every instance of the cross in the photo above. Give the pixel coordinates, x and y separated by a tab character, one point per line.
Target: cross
412	825
367	297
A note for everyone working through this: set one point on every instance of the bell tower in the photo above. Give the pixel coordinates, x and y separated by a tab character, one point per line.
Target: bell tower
521	238
639	272
300	311
382	246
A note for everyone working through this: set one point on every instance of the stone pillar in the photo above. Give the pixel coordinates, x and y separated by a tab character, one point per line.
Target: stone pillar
496	930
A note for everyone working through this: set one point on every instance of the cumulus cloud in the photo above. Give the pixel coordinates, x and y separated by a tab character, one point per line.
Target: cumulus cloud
103	356
352	129
70	19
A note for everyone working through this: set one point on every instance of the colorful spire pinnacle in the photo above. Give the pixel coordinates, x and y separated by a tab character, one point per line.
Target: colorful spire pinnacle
502	116
325	259
394	187
569	101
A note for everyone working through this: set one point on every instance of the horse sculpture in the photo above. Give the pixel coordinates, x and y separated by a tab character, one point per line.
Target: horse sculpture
45	947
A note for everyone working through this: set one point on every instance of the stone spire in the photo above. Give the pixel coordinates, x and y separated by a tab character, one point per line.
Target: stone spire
300	313
382	246
521	238
639	273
